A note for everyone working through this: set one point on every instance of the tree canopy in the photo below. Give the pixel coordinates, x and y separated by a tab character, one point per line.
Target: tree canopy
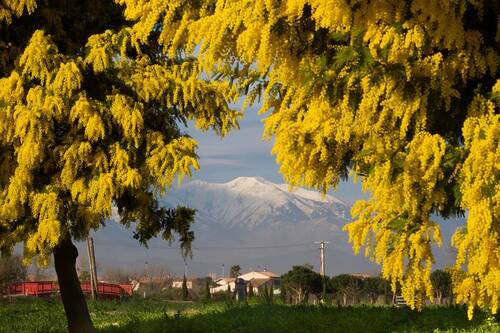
403	95
91	114
234	271
347	286
300	281
94	96
442	283
11	271
373	287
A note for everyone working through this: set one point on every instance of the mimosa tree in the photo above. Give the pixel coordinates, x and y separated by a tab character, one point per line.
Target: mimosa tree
91	111
402	94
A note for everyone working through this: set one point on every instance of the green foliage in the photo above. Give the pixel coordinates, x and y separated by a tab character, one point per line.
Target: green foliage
373	287
250	290
11	270
300	281
185	292
84	275
235	271
208	295
404	94
92	115
346	286
441	284
283	295
266	295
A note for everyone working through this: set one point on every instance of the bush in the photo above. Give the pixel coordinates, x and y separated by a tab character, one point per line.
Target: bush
11	270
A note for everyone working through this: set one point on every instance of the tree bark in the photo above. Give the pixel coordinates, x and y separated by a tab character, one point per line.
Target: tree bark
75	306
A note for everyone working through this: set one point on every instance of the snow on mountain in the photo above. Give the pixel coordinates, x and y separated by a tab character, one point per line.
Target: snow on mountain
241	222
253	202
254	223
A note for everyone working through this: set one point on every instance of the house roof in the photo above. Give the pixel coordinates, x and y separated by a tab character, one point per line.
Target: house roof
362	275
226	280
191	279
269	274
152	279
259	275
256	283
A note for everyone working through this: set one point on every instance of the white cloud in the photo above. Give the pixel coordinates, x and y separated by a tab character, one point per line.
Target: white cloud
208	161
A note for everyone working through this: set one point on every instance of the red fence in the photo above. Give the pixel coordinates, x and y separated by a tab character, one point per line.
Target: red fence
38	288
108	290
41	288
127	288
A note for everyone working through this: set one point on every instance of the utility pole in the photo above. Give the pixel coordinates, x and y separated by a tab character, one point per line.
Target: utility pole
223	270
322	264
92	267
145	276
89	253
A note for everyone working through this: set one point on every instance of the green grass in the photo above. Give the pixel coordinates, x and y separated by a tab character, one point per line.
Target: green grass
34	315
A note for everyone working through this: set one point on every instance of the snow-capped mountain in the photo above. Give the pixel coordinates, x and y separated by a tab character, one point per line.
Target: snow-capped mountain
251	222
248	221
253	202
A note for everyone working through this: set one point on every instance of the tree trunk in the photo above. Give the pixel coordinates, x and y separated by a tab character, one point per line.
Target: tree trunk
75	306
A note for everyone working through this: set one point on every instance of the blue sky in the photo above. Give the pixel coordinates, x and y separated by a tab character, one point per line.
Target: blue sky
244	153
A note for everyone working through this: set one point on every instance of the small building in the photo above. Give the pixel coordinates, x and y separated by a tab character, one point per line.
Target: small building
257	280
255	275
223	284
191	283
150	283
361	275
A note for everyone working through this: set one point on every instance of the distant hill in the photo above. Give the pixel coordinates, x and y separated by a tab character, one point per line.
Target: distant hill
248	221
253	202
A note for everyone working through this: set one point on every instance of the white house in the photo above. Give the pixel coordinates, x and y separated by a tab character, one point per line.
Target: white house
261	280
257	280
222	285
264	275
178	283
190	282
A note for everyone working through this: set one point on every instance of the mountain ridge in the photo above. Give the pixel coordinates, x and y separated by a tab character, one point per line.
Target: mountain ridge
250	212
254	201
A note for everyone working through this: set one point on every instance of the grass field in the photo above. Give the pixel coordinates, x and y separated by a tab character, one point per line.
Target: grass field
34	315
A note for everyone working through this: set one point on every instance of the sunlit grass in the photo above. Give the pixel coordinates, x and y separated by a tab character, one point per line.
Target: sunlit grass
137	315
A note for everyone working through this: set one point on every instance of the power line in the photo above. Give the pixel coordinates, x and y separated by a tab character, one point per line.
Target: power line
253	247
213	248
